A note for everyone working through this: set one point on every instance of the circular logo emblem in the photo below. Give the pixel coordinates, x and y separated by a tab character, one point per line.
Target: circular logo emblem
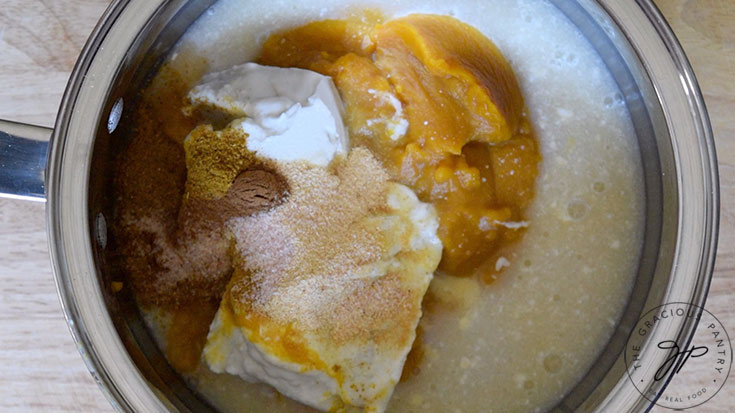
696	373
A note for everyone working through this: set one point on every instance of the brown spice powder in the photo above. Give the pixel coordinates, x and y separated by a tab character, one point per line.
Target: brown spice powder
213	160
171	233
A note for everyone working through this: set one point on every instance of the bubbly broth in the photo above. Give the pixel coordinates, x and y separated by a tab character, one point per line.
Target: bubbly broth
522	342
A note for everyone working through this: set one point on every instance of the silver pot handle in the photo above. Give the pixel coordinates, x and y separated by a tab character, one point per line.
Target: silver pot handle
23	154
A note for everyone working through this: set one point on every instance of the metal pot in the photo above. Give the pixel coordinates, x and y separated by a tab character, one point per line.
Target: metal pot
131	40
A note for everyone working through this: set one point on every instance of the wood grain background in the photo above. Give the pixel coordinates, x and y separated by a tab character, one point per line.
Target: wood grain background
40	368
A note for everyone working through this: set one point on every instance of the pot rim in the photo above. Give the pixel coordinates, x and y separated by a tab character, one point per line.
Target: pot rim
69	240
81	116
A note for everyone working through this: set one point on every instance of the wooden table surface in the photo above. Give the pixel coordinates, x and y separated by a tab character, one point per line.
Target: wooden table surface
40	368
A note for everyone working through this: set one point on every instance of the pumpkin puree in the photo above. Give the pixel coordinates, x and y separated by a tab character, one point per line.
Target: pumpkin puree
439	105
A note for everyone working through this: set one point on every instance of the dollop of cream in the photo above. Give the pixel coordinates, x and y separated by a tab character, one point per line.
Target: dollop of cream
288	114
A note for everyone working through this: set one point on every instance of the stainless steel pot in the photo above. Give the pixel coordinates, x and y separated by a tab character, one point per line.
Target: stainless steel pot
134	36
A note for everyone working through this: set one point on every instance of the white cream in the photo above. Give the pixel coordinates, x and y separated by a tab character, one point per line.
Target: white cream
289	114
370	369
234	354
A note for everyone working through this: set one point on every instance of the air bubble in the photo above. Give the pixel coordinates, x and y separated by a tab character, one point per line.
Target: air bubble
552	363
577	210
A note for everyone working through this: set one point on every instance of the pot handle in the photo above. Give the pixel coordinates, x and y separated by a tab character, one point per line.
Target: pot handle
23	155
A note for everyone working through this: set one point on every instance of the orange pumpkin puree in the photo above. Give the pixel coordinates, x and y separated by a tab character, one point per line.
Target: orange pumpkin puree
460	137
187	335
